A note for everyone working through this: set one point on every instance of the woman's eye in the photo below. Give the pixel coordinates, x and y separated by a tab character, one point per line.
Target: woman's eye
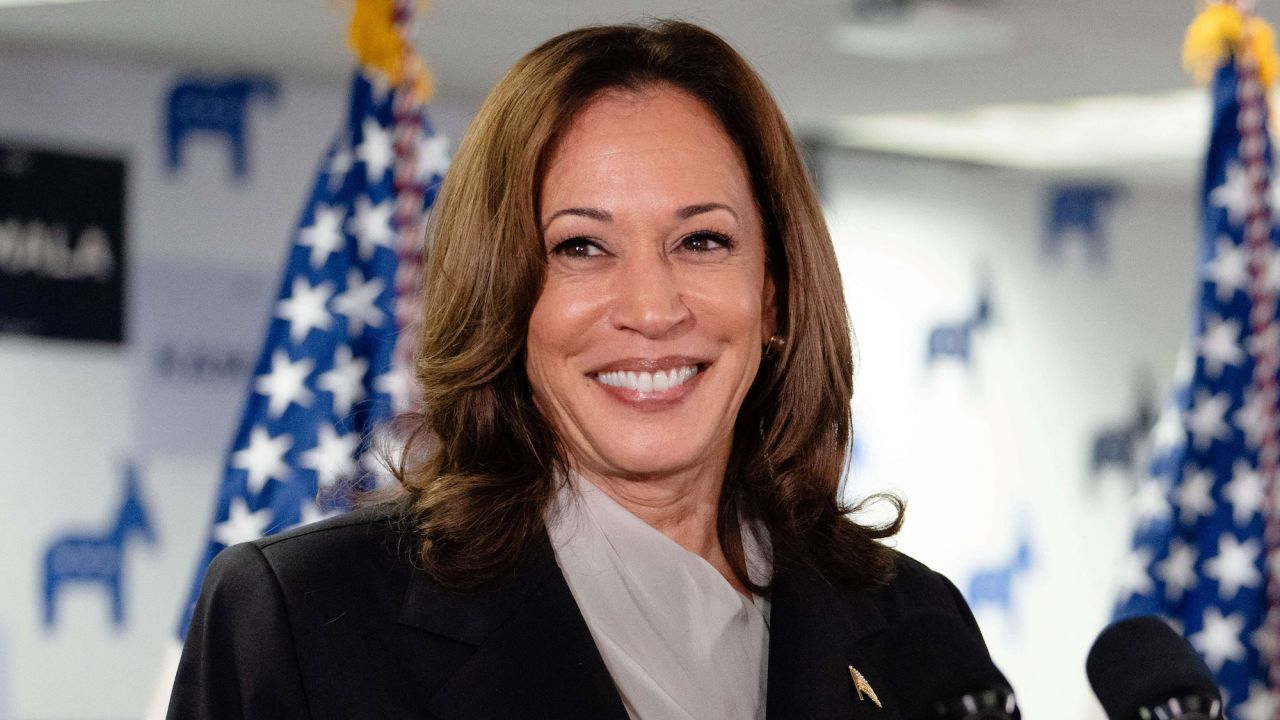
577	247
705	241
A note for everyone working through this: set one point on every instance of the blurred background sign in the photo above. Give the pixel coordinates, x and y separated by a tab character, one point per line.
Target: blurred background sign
62	262
195	351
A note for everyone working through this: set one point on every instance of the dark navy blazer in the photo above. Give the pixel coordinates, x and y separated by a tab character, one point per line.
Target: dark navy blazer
333	621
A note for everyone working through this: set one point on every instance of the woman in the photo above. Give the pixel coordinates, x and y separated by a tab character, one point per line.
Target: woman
637	367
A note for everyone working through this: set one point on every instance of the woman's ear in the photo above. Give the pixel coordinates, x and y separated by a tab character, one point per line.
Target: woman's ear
768	309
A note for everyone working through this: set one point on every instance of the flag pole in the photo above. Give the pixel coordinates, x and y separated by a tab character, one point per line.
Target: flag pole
1262	328
388	48
411	97
1263	331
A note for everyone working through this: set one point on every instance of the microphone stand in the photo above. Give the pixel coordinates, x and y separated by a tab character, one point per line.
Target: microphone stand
1190	707
993	704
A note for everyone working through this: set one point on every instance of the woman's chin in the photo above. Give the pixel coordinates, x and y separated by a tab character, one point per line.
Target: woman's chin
649	460
623	443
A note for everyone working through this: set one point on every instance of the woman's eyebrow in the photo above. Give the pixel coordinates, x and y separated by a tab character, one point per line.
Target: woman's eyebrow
593	213
689	211
683	213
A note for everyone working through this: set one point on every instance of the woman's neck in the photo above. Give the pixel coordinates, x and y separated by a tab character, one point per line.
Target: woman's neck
682	506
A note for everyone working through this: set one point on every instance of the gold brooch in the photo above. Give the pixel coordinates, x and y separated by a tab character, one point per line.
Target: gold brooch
863	687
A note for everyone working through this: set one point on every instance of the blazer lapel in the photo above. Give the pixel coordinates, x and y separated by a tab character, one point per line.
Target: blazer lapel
534	656
813	631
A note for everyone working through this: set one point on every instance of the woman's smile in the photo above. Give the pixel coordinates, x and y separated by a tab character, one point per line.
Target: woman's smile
651	385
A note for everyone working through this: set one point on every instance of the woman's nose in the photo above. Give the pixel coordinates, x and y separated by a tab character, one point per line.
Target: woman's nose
648	298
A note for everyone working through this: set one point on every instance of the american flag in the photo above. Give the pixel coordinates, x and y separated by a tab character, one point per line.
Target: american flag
1207	526
329	371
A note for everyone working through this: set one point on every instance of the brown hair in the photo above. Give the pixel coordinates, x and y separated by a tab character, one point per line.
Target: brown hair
488	457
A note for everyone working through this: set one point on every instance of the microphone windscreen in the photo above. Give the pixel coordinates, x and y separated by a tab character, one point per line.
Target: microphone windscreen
1141	662
931	662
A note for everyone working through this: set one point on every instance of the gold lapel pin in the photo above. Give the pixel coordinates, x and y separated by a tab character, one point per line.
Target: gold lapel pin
863	687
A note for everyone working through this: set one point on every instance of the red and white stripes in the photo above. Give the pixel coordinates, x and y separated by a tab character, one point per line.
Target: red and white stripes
1262	335
409	215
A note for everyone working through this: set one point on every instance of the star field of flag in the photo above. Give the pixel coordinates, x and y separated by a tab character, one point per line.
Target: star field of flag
325	377
1199	555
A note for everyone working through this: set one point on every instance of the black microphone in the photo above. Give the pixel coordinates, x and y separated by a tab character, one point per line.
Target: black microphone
1141	669
937	668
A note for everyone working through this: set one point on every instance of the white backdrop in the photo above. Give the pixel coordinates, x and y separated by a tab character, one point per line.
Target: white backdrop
977	451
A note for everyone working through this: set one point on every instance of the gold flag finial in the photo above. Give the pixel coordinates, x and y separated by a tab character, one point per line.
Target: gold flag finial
863	687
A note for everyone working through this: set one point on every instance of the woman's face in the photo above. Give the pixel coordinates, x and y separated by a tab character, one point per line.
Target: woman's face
656	303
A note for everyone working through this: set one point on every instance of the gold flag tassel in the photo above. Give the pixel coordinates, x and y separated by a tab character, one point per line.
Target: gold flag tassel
1221	31
378	43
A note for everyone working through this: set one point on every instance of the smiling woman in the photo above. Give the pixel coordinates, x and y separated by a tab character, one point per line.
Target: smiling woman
628	198
623	498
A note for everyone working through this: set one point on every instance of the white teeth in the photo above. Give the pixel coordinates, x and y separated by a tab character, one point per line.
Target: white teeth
661	381
648	382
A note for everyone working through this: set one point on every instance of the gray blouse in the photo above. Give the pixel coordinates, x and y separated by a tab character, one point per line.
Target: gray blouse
678	639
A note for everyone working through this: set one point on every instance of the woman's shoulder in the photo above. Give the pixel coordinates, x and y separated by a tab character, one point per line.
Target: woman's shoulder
311	618
918	641
367	526
357	552
917	589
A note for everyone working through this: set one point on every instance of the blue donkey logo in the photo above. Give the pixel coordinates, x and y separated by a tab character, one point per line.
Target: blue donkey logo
955	340
993	585
97	558
1118	446
1076	210
215	107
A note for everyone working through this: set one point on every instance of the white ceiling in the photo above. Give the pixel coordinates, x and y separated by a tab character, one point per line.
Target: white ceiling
1054	48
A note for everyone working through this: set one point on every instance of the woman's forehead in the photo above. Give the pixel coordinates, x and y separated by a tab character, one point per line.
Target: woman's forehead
656	141
657	113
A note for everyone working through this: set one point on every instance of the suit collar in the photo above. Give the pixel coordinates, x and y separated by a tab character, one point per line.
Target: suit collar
534	655
472	616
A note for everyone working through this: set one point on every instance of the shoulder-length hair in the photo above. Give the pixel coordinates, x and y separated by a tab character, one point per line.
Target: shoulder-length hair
488	459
